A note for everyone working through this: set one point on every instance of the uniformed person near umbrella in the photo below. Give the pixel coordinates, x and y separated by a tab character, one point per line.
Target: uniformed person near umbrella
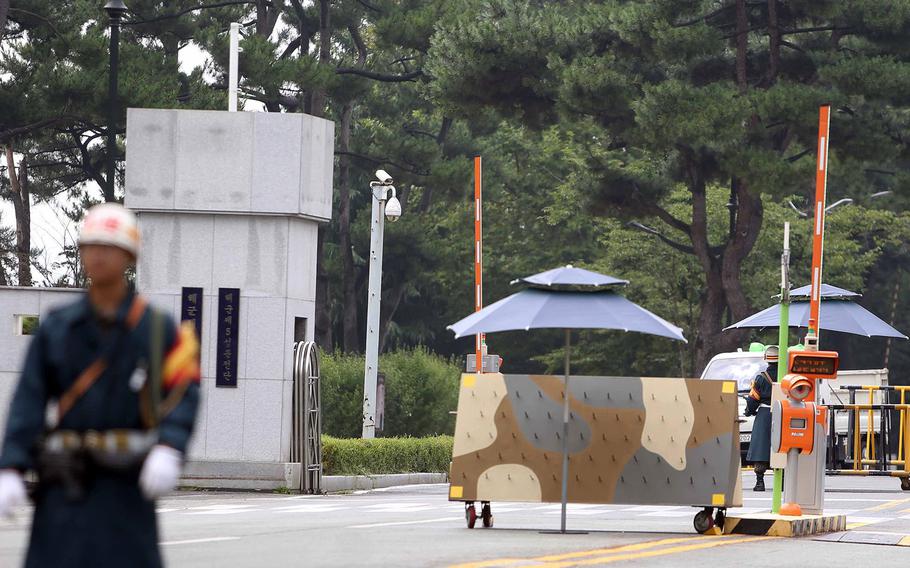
103	413
758	404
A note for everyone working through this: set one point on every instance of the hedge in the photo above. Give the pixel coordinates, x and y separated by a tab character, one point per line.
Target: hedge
421	389
343	456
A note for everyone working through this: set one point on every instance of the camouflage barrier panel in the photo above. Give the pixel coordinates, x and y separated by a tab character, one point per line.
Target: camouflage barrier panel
661	441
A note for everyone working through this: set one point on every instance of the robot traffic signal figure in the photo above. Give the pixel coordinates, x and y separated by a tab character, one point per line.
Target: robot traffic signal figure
120	382
796	418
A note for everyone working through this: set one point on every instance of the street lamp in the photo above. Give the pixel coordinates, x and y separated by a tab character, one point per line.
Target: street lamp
828	209
385	206
115	10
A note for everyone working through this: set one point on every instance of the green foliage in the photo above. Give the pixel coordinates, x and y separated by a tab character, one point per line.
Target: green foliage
656	98
386	455
421	389
29	325
342	394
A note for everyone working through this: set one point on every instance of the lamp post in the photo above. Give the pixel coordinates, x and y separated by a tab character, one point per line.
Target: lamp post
385	206
115	10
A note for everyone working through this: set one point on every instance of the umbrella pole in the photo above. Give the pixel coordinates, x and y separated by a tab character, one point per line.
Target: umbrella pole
565	436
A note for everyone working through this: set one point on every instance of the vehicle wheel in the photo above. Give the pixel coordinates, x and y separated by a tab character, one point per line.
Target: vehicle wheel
486	515
719	519
470	515
905	483
703	521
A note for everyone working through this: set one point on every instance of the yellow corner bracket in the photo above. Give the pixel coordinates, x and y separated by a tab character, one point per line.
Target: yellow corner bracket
468	381
456	492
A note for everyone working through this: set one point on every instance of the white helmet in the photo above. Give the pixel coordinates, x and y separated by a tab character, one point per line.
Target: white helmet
111	224
772	353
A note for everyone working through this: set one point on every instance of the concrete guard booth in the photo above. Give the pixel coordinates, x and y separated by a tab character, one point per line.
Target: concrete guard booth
229	204
632	440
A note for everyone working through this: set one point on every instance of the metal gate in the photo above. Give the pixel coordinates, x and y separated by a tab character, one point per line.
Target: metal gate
868	448
306	431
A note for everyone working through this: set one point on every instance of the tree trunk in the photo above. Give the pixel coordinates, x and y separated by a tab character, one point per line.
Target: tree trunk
4	11
742	37
349	303
389	306
323	322
773	42
744	235
266	18
317	105
712	303
19	195
171	45
710	319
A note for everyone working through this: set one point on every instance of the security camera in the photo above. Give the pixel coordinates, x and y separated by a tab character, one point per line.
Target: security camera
393	209
384	177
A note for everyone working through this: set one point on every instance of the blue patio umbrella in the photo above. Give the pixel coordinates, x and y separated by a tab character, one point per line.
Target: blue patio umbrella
540	309
555	301
837	314
571	276
827	291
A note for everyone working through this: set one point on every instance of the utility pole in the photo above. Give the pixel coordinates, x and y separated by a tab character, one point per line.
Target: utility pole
115	10
385	206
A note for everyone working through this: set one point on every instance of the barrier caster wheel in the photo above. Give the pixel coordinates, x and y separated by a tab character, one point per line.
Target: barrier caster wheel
486	515
905	483
470	515
719	519
703	521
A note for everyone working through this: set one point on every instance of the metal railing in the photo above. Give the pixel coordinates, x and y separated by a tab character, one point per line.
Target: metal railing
869	448
306	430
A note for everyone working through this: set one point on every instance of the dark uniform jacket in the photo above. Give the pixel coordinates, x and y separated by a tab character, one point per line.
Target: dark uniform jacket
114	525
758	405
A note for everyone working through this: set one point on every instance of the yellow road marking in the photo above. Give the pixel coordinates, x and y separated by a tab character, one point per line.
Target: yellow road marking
714	542
597	551
888	505
904	541
615	549
490	563
851	526
604	555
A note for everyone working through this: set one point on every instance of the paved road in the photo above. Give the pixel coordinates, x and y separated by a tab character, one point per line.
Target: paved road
416	526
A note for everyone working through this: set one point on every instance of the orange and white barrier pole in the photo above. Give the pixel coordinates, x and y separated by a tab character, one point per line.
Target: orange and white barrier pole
478	258
818	234
806	376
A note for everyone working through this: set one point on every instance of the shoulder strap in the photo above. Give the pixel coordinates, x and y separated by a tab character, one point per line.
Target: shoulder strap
87	378
150	397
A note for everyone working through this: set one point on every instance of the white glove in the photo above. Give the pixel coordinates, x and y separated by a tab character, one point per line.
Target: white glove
12	491
160	472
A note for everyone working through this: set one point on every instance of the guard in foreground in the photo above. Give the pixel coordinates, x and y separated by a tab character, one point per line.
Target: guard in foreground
102	413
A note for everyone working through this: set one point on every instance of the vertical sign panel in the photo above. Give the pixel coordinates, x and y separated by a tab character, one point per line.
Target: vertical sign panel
228	332
191	308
